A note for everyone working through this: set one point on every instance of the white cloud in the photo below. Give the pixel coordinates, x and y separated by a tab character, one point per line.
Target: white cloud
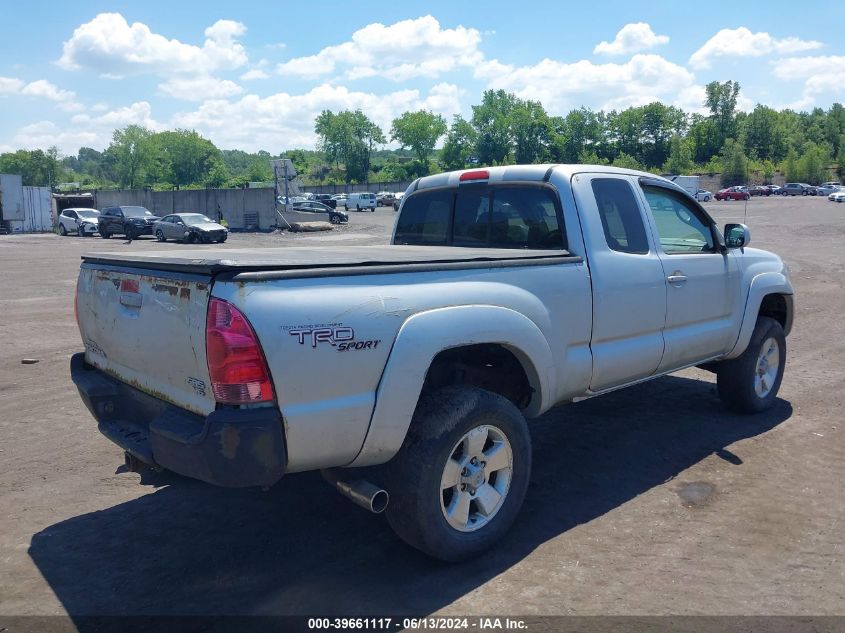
741	42
110	45
631	38
283	121
41	89
823	76
10	85
563	86
400	51
44	134
139	113
199	88
255	73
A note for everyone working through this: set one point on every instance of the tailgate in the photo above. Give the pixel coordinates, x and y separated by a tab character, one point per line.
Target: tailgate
147	328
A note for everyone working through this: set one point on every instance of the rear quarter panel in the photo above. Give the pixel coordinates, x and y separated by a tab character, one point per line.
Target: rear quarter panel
327	390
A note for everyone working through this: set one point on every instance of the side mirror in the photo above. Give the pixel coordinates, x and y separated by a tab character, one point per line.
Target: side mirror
737	236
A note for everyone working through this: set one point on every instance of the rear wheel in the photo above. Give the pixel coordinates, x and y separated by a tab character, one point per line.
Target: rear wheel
105	234
460	478
334	219
129	232
750	382
62	230
358	208
159	235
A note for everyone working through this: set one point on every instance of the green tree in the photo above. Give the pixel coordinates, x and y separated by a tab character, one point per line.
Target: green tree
734	164
418	131
459	145
626	162
36	167
183	157
764	136
812	166
348	137
680	157
721	101
790	166
530	130
134	155
492	122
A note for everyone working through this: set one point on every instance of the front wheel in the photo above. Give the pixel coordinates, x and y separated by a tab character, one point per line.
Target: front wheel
747	197
334	219
159	235
459	480
750	382
129	232
62	230
105	234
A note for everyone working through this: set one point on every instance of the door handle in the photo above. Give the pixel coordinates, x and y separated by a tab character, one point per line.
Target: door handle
676	278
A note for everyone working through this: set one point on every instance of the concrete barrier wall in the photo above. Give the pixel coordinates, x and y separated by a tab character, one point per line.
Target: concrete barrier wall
372	187
229	204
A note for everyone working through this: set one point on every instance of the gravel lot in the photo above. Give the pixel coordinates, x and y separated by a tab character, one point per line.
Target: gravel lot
653	500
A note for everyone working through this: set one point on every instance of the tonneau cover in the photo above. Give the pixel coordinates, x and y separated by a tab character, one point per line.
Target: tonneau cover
284	258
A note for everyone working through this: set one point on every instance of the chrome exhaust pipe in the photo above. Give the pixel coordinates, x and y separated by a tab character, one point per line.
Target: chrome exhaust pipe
359	491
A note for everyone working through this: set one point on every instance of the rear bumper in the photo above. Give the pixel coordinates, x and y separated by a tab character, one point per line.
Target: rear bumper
233	448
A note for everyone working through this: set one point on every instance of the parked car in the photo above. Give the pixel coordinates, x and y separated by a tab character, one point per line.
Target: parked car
326	199
361	201
335	216
190	228
130	221
837	196
384	198
702	195
792	189
397	200
82	221
759	190
773	189
809	190
503	292
827	188
733	193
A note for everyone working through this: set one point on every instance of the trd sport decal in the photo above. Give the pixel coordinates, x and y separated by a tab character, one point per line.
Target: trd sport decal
341	338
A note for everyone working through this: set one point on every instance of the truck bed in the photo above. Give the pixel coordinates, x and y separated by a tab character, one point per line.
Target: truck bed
310	261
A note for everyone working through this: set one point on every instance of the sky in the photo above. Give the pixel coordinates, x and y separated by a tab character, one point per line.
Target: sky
254	76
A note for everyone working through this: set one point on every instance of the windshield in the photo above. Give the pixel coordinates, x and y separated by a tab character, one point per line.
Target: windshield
135	212
90	214
195	218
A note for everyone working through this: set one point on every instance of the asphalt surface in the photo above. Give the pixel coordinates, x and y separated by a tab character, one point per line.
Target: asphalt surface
651	500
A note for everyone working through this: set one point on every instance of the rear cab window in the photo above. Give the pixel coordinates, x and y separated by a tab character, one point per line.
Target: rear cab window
524	216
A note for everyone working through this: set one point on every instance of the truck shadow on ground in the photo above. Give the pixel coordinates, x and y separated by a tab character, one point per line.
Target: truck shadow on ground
300	548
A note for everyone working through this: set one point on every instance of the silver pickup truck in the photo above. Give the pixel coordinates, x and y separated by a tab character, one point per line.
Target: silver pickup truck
406	372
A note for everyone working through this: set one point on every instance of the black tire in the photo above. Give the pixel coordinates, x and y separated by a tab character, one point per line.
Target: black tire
334	219
129	232
221	240
160	236
747	197
735	378
105	234
62	230
358	208
413	476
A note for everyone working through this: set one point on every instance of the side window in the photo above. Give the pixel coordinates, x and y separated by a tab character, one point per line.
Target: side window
621	220
71	214
679	225
525	217
425	218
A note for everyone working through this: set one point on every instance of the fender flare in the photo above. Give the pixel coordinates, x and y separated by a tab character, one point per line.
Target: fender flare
426	334
762	285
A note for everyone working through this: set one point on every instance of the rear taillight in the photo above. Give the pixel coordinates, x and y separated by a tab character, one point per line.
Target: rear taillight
236	364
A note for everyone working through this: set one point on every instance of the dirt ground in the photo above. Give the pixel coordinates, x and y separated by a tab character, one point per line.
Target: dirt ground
652	500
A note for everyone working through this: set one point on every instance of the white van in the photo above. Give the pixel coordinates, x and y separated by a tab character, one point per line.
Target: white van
361	201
